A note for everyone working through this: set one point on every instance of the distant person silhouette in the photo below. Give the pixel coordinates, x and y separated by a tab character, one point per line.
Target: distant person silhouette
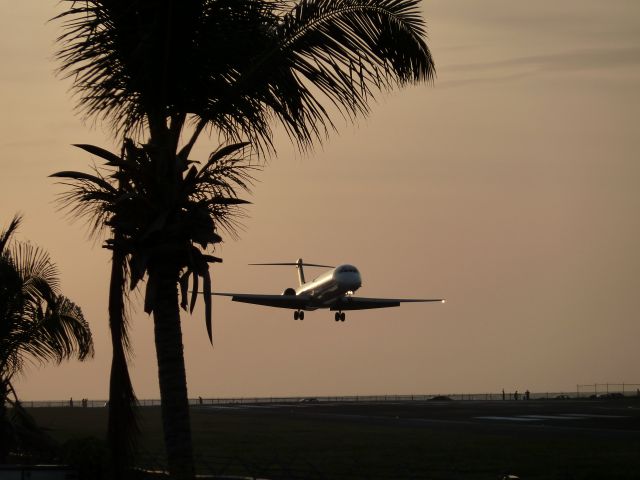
71	402
503	397
515	395
527	395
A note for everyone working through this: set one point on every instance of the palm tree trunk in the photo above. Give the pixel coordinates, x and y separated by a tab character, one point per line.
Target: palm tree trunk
5	428
122	423
171	370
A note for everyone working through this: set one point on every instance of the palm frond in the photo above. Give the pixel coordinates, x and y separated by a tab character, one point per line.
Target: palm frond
5	236
336	50
89	52
65	322
111	158
89	197
37	324
39	275
344	49
86	177
58	334
223	152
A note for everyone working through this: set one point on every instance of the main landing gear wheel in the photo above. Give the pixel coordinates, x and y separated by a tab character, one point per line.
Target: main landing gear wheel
340	316
298	315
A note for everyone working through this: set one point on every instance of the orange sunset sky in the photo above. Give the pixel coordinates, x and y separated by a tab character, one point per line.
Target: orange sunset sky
509	187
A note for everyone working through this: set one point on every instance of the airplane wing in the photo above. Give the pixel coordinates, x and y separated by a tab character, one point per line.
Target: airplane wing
361	303
296	302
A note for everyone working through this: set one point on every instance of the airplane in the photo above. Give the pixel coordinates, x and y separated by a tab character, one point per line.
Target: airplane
333	289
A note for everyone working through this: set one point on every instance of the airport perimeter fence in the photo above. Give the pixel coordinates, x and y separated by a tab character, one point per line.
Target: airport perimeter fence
597	390
600	390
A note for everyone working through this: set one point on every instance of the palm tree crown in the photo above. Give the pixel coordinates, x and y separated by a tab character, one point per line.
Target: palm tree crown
156	220
238	64
37	323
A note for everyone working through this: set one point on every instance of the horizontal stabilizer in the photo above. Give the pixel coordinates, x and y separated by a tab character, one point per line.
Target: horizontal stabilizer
295	264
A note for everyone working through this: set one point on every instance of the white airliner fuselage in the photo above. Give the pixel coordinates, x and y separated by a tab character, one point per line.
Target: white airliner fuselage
333	290
330	286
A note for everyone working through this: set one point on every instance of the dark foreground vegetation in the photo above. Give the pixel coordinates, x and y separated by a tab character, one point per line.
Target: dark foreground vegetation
385	441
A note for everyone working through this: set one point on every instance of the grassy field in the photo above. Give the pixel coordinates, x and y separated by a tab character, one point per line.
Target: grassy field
386	442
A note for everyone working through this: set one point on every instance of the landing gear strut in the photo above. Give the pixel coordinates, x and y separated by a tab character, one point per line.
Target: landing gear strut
298	315
340	317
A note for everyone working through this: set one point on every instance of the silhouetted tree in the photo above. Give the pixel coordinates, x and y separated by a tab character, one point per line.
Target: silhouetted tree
37	324
150	225
98	199
161	69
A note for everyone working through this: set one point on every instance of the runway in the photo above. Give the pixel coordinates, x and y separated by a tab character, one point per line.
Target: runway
615	417
464	439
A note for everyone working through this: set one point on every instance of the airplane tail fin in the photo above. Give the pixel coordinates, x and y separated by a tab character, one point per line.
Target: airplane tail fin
299	264
300	268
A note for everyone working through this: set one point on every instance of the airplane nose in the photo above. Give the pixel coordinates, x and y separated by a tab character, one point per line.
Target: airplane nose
350	281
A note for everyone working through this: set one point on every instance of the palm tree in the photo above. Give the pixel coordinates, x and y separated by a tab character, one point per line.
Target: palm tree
37	323
147	225
162	69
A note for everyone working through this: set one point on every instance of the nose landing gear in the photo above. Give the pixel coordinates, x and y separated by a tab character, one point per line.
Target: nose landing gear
298	315
340	317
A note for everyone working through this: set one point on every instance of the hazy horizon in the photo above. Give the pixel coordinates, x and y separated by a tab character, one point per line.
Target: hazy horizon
508	187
